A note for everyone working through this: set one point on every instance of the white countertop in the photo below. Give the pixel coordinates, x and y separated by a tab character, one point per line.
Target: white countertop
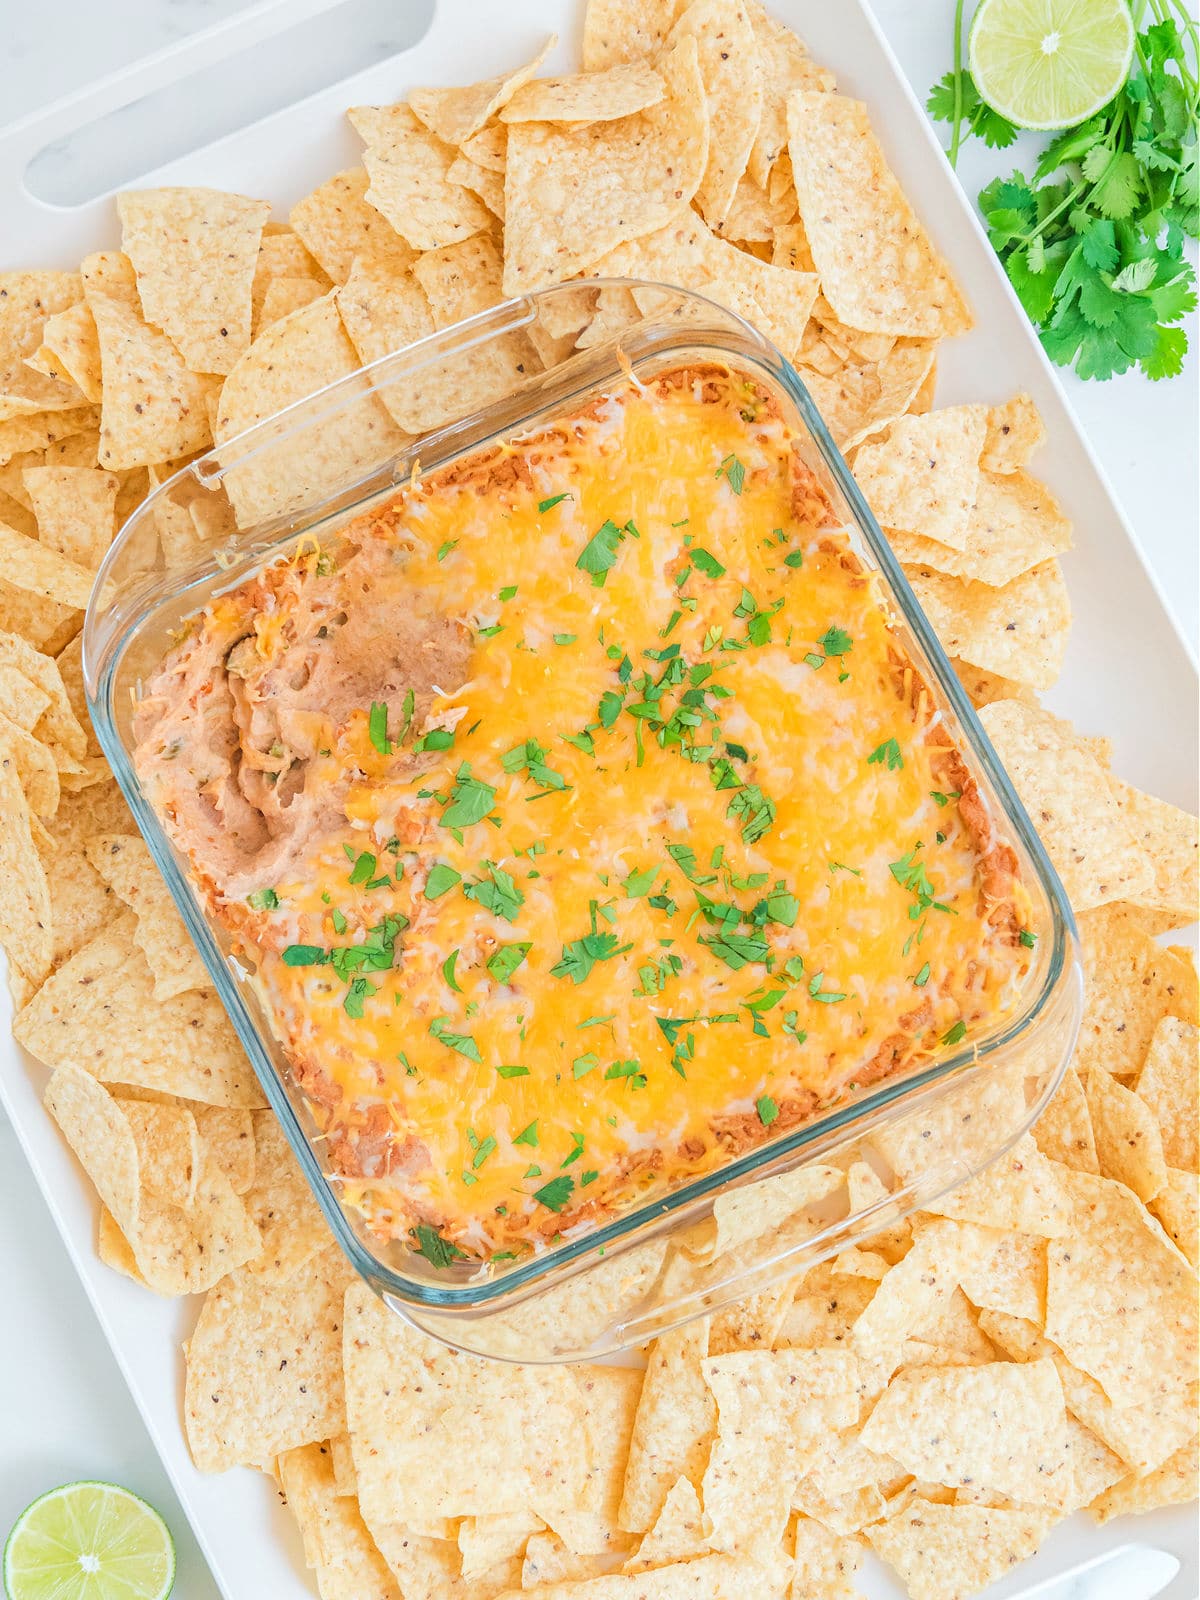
65	1410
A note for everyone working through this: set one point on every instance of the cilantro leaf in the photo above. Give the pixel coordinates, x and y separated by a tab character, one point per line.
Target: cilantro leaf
599	554
470	800
555	1194
436	1250
502	963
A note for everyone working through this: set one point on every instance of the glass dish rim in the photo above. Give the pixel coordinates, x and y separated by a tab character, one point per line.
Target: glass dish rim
641	1222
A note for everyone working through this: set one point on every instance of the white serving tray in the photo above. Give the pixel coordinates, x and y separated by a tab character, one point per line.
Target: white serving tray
1128	672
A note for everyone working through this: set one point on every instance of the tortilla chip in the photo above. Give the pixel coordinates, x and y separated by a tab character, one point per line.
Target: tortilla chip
1128	1143
484	1541
460	281
63	730
99	1012
71	350
677	1534
407	166
878	269
264	1367
751	1324
673	1428
1130	984
281	1203
910	1295
227	1135
922	479
549	1561
153	408
455	114
1019	1190
943	1552
1175	1483
1014	431
1177	1207
336	224
1169	837
75	509
40	432
21	702
999	1426
616	31
1120	1300
36	766
96	1128
194	252
757	1208
984	687
1016	524
341	1459
1063	1131
283	296
775	300
1167	1086
170	1154
384	313
337	1545
619	91
616	311
825	1563
786	66
489	186
114	1248
772	1407
25	919
610	1403
414	1409
816	1320
126	865
874	347
27	301
572	195
754	221
287	363
862	399
43	571
727	51
1002	1271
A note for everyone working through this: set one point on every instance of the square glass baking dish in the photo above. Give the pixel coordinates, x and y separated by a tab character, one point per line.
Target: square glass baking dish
302	475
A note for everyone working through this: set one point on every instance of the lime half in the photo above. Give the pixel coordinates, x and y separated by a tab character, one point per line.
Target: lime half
1050	63
89	1541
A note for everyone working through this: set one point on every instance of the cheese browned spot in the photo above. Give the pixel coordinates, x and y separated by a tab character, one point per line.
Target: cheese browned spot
582	818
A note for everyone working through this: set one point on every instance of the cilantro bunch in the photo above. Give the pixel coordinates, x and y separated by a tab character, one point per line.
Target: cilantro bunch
1093	242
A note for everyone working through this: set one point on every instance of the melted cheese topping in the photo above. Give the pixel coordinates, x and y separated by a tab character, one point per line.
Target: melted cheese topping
706	877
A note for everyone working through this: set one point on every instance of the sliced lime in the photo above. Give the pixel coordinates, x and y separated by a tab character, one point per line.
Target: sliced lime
1050	63
89	1541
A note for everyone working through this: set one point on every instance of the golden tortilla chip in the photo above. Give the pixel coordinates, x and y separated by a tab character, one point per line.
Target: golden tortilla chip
1120	1300
999	1426
862	399
25	918
825	1563
1175	1483
910	1295
1019	630
610	1398
755	221
485	1541
282	1206
75	509
763	1207
63	730
943	1552
953	1325
1019	1190
96	1128
1002	1271
413	1408
227	1135
879	270
619	91
815	1320
384	313
677	1534
616	31
489	186
752	1323
348	1564
1177	1207
922	479
488	148
1169	837
984	687
114	1248
1167	1085
36	766
1014	431
1063	1131
71	350
775	300
1016	524
1128	1144
337	223
98	1012
22	702
264	1366
290	361
283	296
727	51
786	66
153	408
1070	803
572	195
194	252
673	1428
407	166
460	281
126	865
43	571
39	432
341	1458
27	301
170	1154
455	114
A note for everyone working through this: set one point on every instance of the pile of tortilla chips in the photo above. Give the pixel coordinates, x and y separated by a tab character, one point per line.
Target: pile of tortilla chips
941	1395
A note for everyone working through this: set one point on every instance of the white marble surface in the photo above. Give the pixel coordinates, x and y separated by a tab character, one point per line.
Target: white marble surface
64	1409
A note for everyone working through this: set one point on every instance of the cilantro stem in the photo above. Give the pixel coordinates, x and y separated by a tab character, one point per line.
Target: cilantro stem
956	135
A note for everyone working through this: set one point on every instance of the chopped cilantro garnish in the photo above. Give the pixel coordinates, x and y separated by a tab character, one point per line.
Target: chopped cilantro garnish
599	554
955	1033
509	592
512	1072
638	884
470	800
684	858
498	892
377	727
435	739
528	1136
364	867
531	757
577	1142
448	971
888	752
836	642
581	955
430	1244
485	1148
736	950
359	991
922	977
338	919
555	499
1027	938
794	558
708	564
840	866
565	638
768	1110
502	963
462	1043
733	471
304	955
584	1064
754	809
442	877
827	997
262	900
444	550
555	1194
945	799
